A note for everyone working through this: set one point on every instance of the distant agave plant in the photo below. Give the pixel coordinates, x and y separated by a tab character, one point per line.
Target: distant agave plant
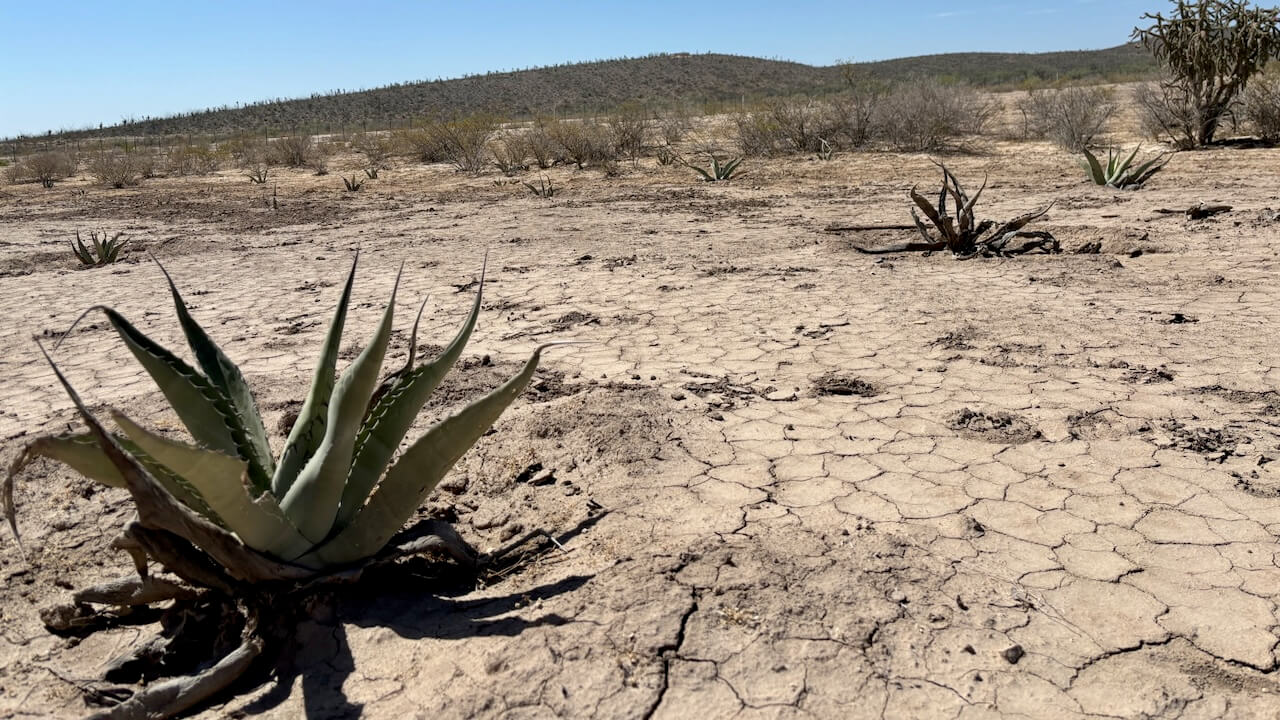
717	171
1119	171
331	502
100	251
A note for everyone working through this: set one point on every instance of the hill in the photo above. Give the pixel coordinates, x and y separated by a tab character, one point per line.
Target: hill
602	85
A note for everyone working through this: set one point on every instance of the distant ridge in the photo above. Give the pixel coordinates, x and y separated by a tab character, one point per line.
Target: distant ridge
603	85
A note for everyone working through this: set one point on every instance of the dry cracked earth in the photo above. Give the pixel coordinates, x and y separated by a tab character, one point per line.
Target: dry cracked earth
790	480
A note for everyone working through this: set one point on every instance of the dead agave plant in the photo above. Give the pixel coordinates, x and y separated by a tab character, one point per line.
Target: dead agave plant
962	234
228	525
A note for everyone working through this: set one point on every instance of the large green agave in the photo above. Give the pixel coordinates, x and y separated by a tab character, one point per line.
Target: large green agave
336	495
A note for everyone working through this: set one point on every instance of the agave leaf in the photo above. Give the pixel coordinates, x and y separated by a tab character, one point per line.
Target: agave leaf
159	510
730	167
1095	168
1117	174
1144	171
417	472
705	175
929	211
221	481
226	376
312	501
309	428
206	412
392	416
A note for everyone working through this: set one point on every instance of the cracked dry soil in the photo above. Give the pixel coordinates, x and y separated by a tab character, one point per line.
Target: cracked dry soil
1022	520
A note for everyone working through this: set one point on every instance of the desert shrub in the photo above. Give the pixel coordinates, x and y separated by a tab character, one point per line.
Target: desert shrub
1260	105
674	124
377	148
293	151
582	142
192	159
423	144
757	133
462	141
541	146
1167	112
119	169
45	168
924	114
1070	118
628	130
510	153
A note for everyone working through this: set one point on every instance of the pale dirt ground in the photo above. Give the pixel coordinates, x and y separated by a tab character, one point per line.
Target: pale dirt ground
771	551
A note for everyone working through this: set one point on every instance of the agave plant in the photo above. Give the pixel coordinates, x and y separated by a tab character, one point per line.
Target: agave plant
962	234
1119	172
101	250
353	183
223	513
544	188
717	172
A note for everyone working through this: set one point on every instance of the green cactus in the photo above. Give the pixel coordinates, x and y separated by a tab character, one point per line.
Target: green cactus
100	251
1119	171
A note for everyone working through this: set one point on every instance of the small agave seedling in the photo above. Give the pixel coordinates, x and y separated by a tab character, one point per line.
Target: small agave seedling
1119	172
717	172
962	234
221	513
100	251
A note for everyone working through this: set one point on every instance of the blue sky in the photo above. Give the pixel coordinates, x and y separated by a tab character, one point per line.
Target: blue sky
73	63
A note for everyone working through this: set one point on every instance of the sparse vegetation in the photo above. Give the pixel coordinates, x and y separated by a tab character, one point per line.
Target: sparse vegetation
1210	49
1119	172
1260	106
192	159
510	153
238	537
1072	118
119	169
353	183
45	168
258	174
929	115
104	250
581	142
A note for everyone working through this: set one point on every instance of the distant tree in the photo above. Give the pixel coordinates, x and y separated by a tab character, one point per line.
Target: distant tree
1210	50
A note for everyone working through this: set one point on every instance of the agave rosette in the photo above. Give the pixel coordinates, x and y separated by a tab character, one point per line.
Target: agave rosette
338	491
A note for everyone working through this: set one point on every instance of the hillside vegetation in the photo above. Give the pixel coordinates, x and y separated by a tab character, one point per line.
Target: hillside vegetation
603	85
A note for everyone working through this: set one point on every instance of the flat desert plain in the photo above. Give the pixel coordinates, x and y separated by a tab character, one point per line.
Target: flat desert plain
787	479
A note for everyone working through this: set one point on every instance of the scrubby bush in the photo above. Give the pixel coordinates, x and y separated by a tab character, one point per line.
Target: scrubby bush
45	168
1071	118
462	141
1167	112
293	151
1260	105
925	114
510	153
758	134
628	129
674	124
541	146
192	159
120	168
377	148
582	142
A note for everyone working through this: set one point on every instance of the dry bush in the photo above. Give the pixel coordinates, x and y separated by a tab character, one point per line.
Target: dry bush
293	151
582	142
628	130
674	124
377	148
924	114
1166	112
461	142
541	146
192	159
119	169
1260	105
1071	118
758	134
510	153
45	168
423	144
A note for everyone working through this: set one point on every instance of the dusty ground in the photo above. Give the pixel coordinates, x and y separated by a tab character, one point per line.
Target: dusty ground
839	485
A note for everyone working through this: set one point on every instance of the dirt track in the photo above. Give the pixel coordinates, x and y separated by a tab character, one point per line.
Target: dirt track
1038	487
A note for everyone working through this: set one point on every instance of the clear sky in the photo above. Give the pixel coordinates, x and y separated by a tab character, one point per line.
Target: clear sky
74	63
